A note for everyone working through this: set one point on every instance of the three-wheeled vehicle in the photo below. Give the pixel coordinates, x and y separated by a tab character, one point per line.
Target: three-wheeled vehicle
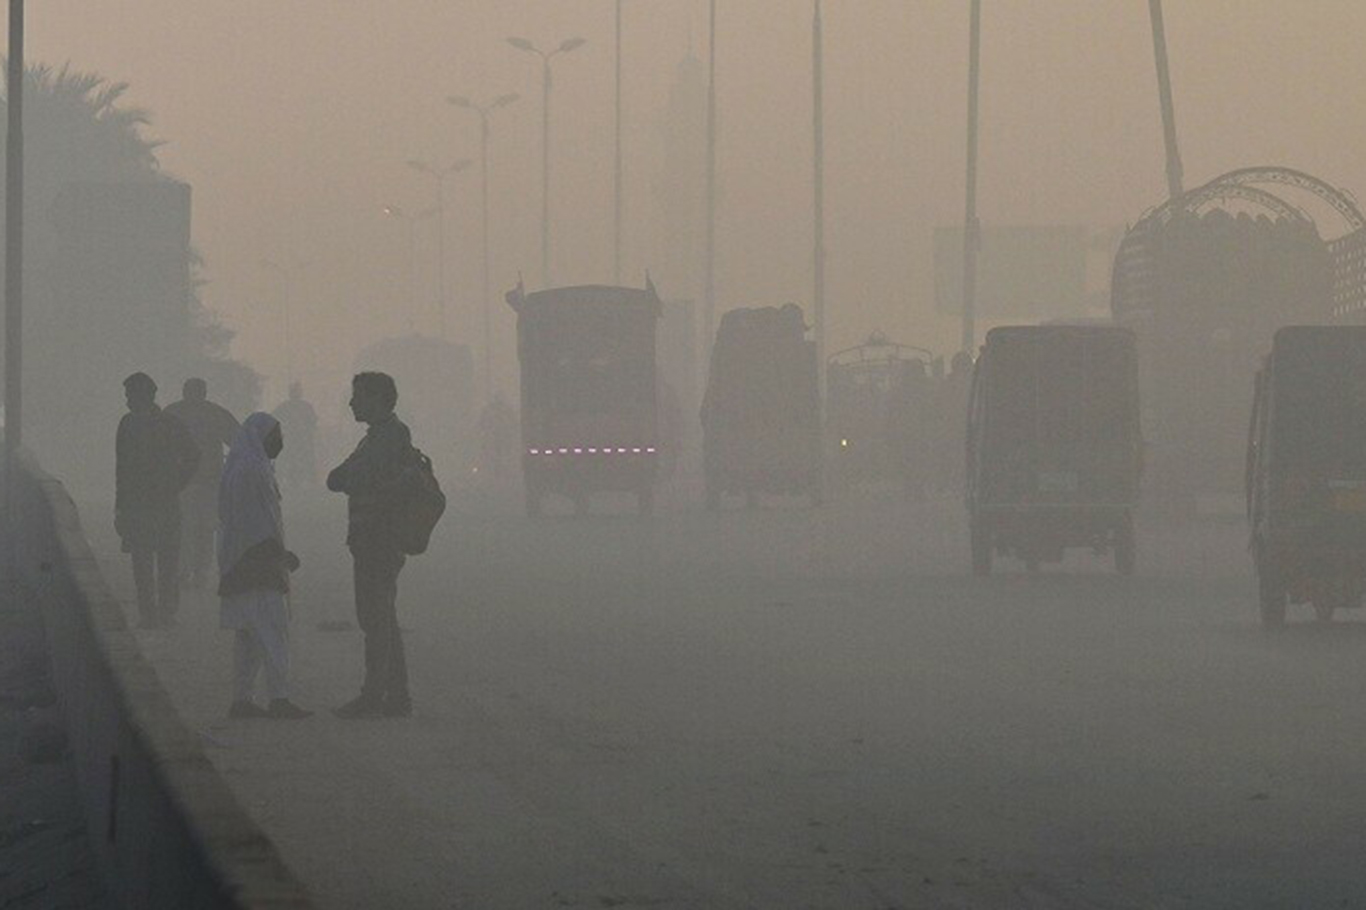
589	411
867	399
761	428
1306	471
1054	451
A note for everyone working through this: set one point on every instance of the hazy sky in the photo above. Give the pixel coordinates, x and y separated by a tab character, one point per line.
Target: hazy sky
293	119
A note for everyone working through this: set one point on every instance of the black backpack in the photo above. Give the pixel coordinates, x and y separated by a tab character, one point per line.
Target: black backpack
417	504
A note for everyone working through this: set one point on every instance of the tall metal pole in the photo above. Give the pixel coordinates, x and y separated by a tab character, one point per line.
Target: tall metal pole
971	229
14	260
441	252
818	159
709	268
1175	177
545	171
616	239
484	219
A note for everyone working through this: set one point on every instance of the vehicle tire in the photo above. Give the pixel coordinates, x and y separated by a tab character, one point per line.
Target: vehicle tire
981	550
1271	596
1126	549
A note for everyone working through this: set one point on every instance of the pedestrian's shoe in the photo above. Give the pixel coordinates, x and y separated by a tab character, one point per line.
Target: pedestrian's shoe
361	706
241	710
284	709
398	707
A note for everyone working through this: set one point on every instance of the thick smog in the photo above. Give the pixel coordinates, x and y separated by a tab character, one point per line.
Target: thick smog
698	454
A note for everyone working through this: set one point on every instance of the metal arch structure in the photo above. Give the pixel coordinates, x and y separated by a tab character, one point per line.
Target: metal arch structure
860	353
1339	200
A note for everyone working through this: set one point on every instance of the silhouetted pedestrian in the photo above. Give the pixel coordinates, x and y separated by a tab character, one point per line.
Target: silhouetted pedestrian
299	422
154	461
368	477
212	427
255	578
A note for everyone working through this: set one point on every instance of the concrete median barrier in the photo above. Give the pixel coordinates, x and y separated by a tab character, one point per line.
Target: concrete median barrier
166	830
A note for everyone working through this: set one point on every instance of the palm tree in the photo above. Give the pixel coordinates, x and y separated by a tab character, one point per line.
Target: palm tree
112	283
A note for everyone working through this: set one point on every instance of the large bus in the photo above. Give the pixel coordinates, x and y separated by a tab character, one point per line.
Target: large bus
589	403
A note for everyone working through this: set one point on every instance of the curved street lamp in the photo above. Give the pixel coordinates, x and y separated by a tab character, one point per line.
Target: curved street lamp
563	47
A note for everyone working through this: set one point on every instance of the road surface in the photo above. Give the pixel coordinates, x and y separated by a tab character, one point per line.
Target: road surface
787	708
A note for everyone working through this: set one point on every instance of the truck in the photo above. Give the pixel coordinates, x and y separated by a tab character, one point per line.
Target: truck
589	413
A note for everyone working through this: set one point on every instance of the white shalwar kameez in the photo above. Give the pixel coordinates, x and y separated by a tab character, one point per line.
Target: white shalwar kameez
249	513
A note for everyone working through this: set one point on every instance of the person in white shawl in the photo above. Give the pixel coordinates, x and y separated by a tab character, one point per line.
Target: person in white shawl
255	568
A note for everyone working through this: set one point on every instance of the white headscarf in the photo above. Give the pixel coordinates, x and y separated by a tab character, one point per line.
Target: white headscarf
248	498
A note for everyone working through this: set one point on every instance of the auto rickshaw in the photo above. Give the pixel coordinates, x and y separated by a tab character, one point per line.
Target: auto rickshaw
761	415
1054	452
1306	472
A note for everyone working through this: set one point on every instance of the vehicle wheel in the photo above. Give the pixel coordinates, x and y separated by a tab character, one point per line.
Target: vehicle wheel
981	550
645	501
1126	549
1271	596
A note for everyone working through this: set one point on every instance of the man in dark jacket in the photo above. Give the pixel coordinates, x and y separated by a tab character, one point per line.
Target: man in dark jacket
212	427
367	477
154	460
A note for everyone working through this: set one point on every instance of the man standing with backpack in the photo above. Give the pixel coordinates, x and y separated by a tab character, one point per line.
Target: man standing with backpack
371	477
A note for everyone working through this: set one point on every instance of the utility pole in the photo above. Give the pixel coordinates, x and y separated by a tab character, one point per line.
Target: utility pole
818	159
1175	177
439	175
971	230
14	265
616	239
709	268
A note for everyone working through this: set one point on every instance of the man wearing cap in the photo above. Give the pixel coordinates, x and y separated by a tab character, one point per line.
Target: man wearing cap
155	458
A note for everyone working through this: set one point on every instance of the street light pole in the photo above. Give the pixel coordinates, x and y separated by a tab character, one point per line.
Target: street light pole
971	230
14	263
818	160
483	110
1175	176
286	273
440	174
709	268
565	46
616	236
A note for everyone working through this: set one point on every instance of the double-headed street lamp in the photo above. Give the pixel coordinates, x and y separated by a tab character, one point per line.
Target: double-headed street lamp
483	110
410	220
564	47
439	174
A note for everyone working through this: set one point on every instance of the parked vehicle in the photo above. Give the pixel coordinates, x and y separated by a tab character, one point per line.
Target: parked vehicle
1054	451
589	404
1306	471
761	428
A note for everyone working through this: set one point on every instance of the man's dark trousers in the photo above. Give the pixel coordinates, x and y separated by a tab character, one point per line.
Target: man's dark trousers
386	668
156	575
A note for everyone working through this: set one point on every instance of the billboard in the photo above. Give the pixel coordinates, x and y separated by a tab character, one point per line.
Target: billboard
1029	273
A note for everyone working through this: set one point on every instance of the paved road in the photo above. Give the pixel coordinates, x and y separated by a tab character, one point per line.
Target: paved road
786	708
